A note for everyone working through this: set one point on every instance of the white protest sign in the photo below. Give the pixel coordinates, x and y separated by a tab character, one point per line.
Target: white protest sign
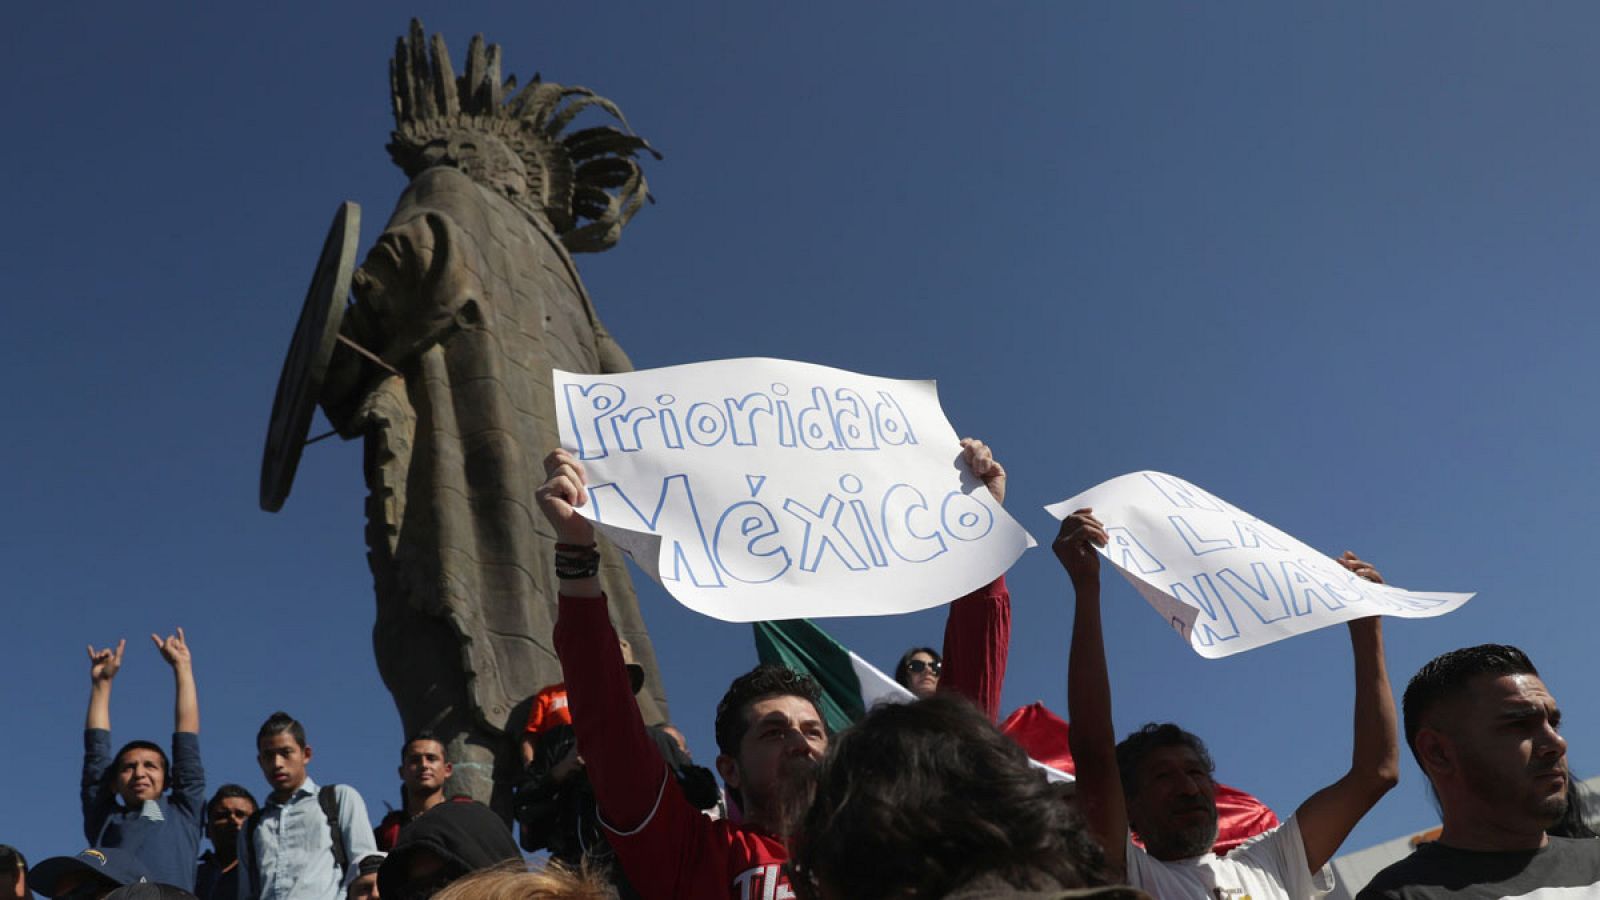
765	489
1227	581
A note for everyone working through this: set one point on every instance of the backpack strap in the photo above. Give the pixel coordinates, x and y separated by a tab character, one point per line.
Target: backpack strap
329	801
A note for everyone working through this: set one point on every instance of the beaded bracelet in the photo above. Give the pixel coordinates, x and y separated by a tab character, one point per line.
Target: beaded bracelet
577	561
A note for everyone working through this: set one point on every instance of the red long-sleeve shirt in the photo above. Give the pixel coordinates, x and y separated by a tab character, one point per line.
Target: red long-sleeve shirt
977	642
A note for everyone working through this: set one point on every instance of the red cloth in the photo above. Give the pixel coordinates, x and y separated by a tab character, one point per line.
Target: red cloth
666	846
388	830
1240	817
1043	735
977	640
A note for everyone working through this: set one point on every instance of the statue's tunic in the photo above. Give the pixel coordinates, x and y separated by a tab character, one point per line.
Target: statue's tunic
473	300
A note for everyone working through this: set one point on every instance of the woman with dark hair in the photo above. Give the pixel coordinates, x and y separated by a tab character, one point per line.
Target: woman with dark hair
918	671
929	799
137	801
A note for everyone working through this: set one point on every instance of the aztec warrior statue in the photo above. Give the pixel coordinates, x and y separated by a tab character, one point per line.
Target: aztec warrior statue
442	364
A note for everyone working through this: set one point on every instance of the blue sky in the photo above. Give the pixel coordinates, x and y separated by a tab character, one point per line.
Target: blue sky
1333	263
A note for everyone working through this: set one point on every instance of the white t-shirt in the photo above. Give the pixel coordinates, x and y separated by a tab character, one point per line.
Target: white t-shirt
1270	866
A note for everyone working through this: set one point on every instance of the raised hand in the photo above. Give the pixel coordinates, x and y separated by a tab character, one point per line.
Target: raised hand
980	460
103	664
1072	545
561	495
174	649
1355	564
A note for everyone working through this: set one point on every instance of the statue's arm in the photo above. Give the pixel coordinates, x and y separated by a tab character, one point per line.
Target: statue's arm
407	292
353	376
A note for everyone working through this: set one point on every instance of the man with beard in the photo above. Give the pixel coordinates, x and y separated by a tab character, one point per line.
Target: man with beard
1483	726
769	731
1159	783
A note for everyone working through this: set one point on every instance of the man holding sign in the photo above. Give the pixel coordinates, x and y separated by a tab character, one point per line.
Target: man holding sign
667	848
769	727
1159	781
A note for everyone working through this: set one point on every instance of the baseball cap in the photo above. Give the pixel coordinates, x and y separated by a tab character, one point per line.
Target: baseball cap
119	867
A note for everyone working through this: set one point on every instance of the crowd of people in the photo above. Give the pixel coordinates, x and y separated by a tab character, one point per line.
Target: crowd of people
924	799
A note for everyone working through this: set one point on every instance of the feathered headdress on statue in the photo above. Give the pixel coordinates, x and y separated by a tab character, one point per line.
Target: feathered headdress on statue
588	182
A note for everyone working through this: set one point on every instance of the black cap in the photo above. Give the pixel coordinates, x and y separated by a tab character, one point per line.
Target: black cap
118	867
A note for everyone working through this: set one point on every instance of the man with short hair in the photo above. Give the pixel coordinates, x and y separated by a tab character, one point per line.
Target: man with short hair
1159	783
1484	728
768	726
424	771
136	801
226	812
304	843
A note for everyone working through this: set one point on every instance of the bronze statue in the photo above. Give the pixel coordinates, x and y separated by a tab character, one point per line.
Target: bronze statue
442	364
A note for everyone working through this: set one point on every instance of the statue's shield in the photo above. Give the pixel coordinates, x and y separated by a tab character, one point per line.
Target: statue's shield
300	384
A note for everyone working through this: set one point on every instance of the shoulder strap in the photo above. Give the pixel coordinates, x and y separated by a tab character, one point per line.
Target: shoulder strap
330	808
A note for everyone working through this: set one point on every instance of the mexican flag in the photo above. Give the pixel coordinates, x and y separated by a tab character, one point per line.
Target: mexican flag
850	685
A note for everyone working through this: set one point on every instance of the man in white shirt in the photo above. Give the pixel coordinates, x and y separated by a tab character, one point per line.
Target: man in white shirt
1159	783
305	841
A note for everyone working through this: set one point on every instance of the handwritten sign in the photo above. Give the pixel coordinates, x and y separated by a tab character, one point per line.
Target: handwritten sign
765	489
1225	580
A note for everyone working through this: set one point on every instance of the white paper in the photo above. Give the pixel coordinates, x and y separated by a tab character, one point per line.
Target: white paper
1225	580
765	489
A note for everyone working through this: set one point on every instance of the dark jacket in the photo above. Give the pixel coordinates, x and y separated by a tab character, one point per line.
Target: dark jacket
466	836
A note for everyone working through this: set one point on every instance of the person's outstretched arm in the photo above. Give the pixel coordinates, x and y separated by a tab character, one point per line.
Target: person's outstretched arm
186	707
97	798
188	777
625	770
1328	816
977	631
103	667
1092	737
